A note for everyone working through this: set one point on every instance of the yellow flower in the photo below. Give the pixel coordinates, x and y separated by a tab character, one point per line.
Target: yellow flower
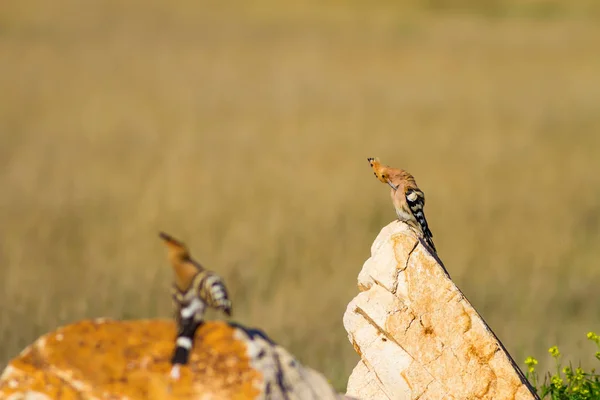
530	362
554	351
557	381
590	335
598	355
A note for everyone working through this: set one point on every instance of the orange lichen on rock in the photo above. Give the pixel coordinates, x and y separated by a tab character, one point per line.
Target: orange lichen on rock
118	359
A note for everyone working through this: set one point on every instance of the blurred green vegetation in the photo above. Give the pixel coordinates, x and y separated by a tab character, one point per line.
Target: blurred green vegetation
244	130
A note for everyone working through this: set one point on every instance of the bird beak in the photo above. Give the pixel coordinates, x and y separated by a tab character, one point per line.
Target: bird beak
392	185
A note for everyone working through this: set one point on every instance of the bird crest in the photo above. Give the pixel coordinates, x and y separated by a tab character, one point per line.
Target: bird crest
179	257
381	172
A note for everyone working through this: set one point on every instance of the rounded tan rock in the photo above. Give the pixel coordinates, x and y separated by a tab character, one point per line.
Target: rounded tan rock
105	359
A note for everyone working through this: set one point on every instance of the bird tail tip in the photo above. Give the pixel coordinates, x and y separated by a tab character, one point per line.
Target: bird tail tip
429	241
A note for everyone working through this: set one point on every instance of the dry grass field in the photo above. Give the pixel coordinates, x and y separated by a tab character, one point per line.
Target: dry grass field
244	130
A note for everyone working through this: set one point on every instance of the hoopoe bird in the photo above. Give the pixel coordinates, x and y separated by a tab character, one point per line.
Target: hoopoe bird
408	199
195	288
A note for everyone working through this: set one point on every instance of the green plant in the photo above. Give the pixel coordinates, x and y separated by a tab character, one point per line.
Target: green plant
566	383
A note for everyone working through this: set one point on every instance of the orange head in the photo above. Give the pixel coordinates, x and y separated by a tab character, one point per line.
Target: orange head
381	172
177	250
185	269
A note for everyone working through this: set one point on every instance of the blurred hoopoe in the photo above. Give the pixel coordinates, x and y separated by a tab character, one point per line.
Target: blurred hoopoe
195	288
408	199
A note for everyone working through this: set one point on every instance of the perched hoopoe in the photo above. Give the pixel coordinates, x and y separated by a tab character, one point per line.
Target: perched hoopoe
408	199
195	288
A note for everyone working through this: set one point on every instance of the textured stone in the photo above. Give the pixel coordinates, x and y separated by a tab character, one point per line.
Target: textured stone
416	333
362	383
100	359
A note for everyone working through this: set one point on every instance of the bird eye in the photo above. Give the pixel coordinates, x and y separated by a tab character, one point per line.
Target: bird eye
383	176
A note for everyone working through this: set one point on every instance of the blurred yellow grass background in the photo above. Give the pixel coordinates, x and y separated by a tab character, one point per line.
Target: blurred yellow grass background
243	129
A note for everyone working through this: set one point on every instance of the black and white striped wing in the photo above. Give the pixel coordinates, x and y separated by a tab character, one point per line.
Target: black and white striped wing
415	199
212	290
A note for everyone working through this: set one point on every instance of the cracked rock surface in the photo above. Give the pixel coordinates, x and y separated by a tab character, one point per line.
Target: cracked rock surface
104	359
417	335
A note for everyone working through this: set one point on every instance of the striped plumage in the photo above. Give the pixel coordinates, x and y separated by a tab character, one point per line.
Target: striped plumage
408	199
194	289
